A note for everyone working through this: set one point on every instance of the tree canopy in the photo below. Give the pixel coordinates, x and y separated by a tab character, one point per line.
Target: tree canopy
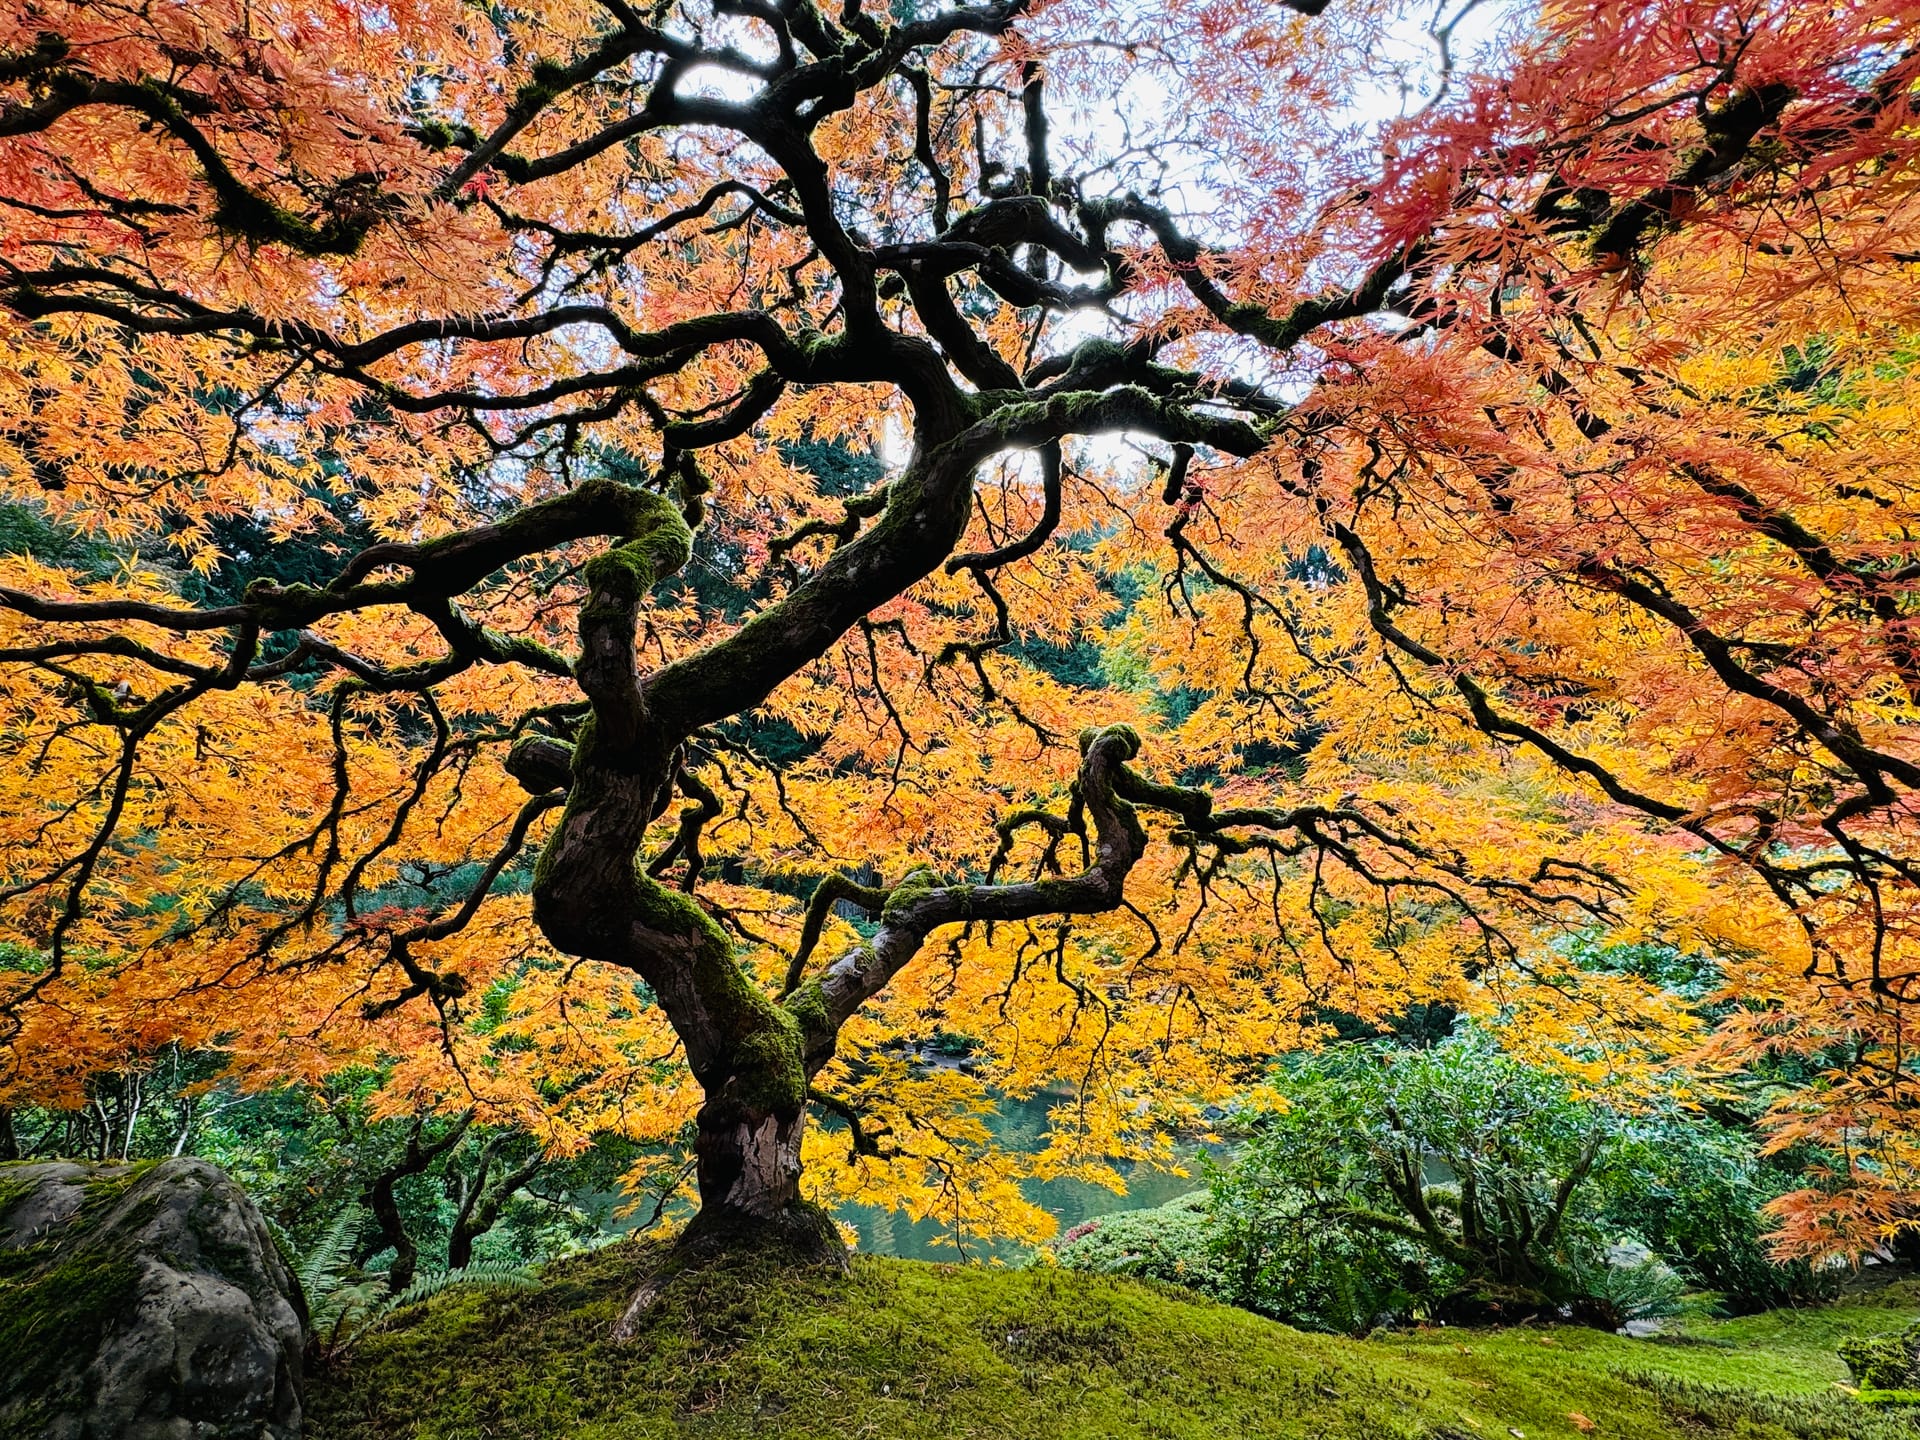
631	566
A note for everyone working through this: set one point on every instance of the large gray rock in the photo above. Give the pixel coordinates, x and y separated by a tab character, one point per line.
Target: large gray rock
142	1302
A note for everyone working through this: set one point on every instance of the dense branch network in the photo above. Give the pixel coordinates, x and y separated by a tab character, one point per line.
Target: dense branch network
900	310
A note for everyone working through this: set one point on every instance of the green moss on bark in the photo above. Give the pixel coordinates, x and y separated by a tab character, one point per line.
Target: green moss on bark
808	1006
661	544
762	1037
770	1075
914	886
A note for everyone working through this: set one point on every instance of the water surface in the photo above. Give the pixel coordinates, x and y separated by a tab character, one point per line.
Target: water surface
1021	1126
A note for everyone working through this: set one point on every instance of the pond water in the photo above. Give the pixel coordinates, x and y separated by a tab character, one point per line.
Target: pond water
1021	1125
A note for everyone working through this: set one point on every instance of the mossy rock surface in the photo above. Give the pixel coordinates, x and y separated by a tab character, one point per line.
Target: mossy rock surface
1888	1362
142	1302
896	1348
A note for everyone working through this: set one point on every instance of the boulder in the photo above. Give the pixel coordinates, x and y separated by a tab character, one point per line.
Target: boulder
142	1302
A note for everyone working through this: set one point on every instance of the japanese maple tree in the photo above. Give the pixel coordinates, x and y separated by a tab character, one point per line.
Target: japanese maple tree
696	405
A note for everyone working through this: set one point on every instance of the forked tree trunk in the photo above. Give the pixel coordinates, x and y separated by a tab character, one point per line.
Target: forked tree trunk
592	897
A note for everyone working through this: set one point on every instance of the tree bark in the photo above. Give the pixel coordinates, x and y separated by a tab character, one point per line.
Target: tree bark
481	1202
748	1156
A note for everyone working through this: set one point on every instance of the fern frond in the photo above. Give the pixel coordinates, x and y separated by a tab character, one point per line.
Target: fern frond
346	1308
481	1274
321	1268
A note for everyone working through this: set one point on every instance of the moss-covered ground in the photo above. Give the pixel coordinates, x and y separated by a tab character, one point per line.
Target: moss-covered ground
908	1349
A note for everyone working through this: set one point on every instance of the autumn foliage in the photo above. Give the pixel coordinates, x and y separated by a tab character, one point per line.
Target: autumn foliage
1039	522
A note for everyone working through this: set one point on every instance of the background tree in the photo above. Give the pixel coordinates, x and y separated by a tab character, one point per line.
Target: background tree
1452	1181
1381	1182
1525	531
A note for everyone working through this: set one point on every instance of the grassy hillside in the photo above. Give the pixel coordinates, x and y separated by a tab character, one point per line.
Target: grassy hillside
908	1349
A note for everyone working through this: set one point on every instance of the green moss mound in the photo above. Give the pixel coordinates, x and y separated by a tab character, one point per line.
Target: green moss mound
744	1347
1884	1362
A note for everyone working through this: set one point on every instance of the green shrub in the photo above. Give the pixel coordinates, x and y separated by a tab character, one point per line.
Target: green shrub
1460	1182
1692	1189
1266	1254
1609	1294
1173	1243
1884	1362
1286	1257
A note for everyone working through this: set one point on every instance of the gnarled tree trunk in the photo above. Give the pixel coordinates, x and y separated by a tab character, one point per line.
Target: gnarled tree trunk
748	1152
